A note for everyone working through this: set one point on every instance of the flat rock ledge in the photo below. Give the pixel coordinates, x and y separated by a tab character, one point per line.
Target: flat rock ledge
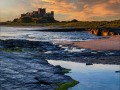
26	71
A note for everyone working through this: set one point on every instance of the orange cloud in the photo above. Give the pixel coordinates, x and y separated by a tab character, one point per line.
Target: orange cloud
98	10
58	7
114	1
87	11
67	9
53	1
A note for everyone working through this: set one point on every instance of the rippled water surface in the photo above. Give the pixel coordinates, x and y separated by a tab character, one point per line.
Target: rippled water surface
95	77
32	33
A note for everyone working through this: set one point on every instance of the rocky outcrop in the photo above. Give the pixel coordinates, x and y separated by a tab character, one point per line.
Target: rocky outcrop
27	70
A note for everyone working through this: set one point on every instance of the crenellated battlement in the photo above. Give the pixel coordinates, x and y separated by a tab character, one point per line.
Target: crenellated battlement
39	14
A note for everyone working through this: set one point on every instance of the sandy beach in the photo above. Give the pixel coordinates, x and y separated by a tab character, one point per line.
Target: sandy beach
112	43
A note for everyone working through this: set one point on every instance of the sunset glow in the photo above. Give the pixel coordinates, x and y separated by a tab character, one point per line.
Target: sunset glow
64	9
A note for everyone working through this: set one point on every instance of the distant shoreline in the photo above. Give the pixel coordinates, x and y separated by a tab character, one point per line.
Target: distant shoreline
65	29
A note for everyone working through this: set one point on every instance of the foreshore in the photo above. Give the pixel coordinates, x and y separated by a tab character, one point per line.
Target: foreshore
112	43
103	51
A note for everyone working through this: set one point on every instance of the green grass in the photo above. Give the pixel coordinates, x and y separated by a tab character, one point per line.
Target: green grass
66	86
86	24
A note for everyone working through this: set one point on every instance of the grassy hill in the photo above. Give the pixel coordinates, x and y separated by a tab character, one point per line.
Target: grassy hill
88	24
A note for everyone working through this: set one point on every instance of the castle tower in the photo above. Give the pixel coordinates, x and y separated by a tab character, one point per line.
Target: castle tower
52	13
42	12
39	10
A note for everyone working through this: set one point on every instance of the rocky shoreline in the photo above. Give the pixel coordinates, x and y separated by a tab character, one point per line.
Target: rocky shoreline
24	63
61	51
23	68
71	52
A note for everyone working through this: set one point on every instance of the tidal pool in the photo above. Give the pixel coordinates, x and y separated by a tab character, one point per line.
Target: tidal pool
94	77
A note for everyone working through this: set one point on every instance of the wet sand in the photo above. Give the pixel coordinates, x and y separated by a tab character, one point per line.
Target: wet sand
106	44
112	43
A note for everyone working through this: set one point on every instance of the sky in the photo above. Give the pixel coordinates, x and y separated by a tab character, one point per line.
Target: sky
83	10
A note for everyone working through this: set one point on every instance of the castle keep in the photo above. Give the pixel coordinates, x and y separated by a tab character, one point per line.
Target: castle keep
41	13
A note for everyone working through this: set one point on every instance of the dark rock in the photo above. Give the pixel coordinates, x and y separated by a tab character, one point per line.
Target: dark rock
29	70
117	71
89	64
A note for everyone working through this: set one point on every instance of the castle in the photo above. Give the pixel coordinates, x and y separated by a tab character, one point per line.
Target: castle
41	13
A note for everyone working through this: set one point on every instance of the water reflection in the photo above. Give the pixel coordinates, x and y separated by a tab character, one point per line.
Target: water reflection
95	77
103	32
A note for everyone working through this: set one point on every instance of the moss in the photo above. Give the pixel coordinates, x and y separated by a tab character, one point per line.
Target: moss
66	86
66	70
17	49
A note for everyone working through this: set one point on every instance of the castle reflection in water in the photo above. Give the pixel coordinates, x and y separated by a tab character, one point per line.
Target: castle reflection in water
103	32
